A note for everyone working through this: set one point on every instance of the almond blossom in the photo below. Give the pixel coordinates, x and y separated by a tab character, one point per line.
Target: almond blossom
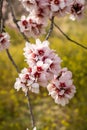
26	81
56	5
29	5
45	70
43	65
61	87
40	11
77	9
60	7
31	26
4	41
42	54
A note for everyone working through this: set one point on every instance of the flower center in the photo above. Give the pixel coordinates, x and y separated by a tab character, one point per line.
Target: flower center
28	2
57	1
1	35
30	70
3	41
26	76
52	66
62	84
37	75
41	52
25	23
77	7
39	68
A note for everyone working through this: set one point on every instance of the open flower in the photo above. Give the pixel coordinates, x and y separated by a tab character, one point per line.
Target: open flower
4	41
61	88
77	9
27	81
44	67
29	4
40	54
31	26
60	7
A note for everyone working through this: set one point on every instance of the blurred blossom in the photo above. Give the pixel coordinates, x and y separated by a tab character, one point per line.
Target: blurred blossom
33	128
4	41
42	10
31	26
77	9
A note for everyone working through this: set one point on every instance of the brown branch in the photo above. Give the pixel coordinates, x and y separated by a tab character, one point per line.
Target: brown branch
71	40
28	97
50	29
10	57
30	110
15	20
12	61
1	29
1	16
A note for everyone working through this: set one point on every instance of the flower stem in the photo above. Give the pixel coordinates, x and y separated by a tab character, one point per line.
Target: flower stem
12	61
30	109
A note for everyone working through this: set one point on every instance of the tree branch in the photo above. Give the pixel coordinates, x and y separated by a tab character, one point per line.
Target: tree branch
50	29
68	38
28	97
12	61
1	17
15	20
30	110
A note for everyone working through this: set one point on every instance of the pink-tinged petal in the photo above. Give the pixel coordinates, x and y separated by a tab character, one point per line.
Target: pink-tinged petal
35	88
63	88
4	41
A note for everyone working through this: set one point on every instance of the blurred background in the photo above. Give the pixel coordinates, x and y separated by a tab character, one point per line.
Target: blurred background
14	113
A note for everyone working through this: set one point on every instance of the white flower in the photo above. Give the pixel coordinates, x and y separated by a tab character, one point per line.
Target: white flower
77	9
43	61
27	129
29	5
27	81
31	26
61	88
34	128
4	41
60	7
23	24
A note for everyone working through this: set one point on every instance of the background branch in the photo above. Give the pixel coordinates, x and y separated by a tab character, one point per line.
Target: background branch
1	17
15	20
50	29
14	64
12	61
30	110
71	40
28	97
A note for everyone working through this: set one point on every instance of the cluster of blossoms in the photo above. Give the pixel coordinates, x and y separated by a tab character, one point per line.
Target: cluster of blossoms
45	70
4	41
61	87
42	10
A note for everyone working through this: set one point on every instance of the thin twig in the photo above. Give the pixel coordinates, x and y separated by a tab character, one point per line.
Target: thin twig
1	18
28	97
10	57
15	20
12	61
73	41
51	28
30	110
